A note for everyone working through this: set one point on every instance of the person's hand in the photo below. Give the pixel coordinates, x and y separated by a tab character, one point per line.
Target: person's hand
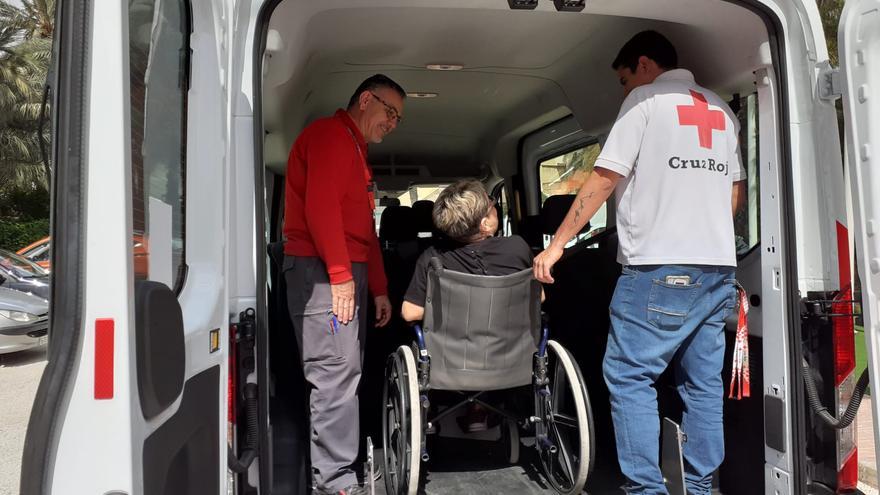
343	301
544	261
383	310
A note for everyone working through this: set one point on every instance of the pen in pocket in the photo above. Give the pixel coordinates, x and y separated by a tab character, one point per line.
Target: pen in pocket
334	324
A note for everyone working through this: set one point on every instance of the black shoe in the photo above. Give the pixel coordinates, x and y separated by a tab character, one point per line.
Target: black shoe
351	490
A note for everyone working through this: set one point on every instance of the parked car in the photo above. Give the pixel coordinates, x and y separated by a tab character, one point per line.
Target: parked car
24	320
23	275
39	252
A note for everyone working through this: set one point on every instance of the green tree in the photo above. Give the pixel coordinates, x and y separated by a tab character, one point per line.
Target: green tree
25	51
830	11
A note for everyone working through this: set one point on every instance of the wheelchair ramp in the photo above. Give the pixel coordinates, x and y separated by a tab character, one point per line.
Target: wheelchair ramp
474	467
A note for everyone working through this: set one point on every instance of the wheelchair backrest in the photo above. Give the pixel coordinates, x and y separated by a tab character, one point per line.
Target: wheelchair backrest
481	331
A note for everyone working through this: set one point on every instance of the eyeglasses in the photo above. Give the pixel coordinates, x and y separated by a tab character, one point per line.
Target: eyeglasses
390	111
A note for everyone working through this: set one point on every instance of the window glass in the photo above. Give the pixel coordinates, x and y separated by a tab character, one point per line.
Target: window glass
506	227
20	266
416	192
159	64
565	174
747	225
40	253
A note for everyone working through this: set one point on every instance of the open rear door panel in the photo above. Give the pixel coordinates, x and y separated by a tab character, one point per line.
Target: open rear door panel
133	397
859	45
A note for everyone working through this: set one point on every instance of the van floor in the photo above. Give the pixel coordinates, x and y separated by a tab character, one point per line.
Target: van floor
459	467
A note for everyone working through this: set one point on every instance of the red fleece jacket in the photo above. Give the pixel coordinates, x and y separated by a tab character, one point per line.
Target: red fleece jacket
328	201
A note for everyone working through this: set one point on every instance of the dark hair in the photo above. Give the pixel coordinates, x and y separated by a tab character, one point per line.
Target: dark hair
373	82
650	44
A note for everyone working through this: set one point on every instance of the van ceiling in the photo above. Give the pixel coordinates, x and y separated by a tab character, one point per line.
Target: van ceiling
522	70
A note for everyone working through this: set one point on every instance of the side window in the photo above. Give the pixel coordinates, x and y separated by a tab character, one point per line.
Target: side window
564	174
421	192
415	192
499	195
40	254
506	228
747	224
159	70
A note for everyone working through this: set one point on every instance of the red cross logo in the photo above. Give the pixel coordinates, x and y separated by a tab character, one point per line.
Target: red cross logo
699	115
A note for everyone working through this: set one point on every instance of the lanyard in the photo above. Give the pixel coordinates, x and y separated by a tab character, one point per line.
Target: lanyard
368	177
740	368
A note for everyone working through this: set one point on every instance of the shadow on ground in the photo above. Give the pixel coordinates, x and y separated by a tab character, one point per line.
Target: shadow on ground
23	358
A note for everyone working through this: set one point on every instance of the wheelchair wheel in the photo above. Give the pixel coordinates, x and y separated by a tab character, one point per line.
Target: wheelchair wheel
564	432
401	424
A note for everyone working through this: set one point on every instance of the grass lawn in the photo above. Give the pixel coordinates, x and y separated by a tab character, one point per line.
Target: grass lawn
861	353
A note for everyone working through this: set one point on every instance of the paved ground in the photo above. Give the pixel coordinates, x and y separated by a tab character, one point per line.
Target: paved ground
867	453
19	377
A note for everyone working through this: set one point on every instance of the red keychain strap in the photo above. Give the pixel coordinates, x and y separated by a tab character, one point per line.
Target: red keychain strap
368	173
739	379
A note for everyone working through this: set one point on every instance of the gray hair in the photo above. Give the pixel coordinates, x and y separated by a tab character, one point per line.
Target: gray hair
459	209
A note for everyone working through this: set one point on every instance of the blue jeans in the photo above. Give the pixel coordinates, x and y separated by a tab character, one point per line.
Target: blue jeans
653	324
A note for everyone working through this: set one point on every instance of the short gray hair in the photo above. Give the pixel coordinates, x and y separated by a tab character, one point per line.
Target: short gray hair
459	209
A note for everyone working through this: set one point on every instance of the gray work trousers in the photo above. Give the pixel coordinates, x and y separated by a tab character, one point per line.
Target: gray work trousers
331	360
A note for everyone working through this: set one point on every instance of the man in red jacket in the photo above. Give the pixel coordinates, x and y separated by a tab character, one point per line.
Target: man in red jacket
332	257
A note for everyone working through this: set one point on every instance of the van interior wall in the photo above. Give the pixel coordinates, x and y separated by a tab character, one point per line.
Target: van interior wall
510	78
522	71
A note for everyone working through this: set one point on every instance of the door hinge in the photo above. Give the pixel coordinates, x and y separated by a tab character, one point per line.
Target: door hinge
828	304
829	85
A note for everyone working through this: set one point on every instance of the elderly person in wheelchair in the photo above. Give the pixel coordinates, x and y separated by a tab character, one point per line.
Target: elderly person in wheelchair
482	331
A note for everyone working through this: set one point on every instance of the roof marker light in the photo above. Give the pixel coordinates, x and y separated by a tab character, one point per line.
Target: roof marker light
444	66
522	4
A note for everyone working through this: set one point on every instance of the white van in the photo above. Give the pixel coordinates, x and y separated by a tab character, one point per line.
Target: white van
170	362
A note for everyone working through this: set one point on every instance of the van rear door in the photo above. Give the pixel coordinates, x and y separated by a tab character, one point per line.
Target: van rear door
859	50
133	398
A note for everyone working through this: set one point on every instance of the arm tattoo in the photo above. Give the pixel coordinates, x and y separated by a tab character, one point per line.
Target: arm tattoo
577	212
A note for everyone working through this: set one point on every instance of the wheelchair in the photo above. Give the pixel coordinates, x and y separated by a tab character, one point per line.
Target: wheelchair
485	333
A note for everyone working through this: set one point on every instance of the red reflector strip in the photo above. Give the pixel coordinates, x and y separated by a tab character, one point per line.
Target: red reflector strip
848	476
104	333
843	266
842	324
233	376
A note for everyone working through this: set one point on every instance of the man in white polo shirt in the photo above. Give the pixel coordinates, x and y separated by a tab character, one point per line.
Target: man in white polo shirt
672	158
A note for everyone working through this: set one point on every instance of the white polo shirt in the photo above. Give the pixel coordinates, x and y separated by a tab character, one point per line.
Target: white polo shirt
676	144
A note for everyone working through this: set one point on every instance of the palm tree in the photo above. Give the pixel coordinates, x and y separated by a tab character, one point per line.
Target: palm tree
41	16
25	49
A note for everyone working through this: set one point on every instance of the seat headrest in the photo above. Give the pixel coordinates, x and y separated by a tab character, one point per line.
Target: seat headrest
397	224
423	212
553	213
386	201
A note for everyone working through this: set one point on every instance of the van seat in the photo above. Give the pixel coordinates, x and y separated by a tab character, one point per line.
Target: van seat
398	237
397	228
553	212
288	407
423	212
577	305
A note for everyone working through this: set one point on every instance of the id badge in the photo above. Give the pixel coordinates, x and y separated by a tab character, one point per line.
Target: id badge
678	279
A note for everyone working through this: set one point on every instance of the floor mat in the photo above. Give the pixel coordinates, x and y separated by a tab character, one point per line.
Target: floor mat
473	467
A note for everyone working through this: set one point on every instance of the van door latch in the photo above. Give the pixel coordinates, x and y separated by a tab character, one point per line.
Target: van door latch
829	84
